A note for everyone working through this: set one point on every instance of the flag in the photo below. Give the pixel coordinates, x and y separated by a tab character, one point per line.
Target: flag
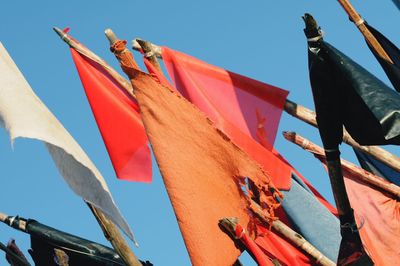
118	118
204	172
253	106
376	214
397	3
79	251
378	168
24	115
347	94
392	69
243	108
188	68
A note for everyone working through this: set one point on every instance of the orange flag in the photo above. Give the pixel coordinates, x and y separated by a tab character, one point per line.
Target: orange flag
203	171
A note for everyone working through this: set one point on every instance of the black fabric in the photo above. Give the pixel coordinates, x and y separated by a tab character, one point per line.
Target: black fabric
347	94
45	239
391	70
397	3
378	168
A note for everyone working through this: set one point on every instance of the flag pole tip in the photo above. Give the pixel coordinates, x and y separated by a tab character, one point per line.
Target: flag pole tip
289	135
228	225
135	44
3	217
63	34
311	30
112	38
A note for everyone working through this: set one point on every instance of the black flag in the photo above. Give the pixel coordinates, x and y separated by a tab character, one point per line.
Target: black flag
45	240
346	94
392	70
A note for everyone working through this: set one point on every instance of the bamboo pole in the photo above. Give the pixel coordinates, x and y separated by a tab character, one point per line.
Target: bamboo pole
360	23
362	174
231	226
308	116
113	235
293	237
149	53
351	241
109	229
80	48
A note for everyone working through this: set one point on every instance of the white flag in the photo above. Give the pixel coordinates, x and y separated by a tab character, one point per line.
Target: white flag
23	114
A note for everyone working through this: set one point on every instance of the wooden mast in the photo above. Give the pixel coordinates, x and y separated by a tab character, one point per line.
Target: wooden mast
359	173
109	229
360	23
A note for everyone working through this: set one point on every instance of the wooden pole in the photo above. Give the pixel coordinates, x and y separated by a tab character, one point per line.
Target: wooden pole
293	237
351	244
149	53
360	23
363	175
231	226
113	235
308	116
68	39
110	231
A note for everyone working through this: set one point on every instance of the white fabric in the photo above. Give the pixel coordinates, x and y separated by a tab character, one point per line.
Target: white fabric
23	114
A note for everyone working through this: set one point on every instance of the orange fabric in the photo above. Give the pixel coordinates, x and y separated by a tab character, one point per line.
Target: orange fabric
247	110
118	118
202	171
377	215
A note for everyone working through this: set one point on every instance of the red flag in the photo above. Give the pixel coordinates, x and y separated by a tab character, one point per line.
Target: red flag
243	108
118	118
247	103
180	68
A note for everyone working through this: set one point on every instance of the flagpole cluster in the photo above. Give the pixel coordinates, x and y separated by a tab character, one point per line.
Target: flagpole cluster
212	135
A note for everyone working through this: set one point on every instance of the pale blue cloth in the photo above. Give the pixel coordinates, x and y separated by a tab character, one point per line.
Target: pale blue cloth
311	219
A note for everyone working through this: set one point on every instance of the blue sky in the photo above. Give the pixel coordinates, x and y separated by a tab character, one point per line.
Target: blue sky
260	39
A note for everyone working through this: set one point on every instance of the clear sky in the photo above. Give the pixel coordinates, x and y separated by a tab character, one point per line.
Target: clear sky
260	39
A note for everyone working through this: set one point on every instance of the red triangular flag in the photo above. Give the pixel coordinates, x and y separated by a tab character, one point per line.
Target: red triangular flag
118	118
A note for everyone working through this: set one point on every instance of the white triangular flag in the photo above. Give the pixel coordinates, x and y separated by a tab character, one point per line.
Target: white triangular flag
23	114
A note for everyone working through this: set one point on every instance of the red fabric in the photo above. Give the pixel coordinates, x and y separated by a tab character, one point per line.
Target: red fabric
235	103
247	103
118	118
245	109
377	215
252	247
277	167
275	246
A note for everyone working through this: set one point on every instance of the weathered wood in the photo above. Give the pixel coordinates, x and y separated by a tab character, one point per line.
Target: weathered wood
113	235
110	230
359	22
308	116
3	217
293	237
363	175
149	53
92	56
155	48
